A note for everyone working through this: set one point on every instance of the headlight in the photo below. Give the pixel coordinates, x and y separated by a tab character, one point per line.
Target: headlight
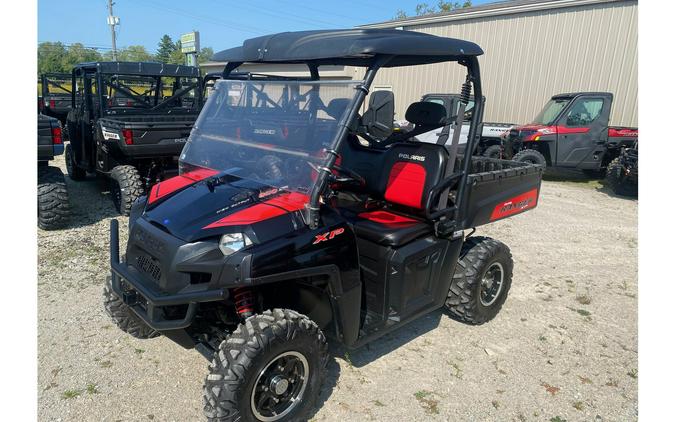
231	243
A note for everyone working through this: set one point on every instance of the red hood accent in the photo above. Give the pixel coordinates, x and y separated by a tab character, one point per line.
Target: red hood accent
173	184
274	207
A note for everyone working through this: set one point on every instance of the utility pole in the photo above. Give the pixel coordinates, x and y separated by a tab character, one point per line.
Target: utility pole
112	21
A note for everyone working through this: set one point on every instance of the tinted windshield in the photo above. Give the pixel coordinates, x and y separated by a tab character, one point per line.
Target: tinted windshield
150	93
550	112
273	132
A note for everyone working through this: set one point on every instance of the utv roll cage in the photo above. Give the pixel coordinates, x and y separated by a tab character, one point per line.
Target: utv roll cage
131	70
372	49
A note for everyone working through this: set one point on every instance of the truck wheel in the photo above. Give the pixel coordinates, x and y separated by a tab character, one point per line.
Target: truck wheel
123	316
53	205
613	176
530	156
74	172
493	151
270	368
481	281
126	187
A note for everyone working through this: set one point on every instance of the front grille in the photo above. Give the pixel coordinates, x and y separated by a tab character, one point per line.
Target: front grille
148	266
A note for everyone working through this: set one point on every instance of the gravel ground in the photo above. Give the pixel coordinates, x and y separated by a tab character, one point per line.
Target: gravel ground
564	346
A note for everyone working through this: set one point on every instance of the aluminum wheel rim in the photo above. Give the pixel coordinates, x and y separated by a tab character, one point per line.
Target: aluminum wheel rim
491	284
280	386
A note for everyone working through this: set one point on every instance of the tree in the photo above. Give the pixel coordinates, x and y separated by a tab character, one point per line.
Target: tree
135	53
177	57
165	49
206	54
50	57
423	9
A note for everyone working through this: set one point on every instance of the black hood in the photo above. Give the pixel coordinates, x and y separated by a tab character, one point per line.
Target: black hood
194	212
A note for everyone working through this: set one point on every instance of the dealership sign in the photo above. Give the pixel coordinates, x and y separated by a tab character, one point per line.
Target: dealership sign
189	43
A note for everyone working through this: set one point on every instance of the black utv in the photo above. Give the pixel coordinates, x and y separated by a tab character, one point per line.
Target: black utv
52	194
129	122
55	99
294	219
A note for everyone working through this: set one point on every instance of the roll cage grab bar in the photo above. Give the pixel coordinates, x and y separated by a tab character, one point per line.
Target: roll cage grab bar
444	219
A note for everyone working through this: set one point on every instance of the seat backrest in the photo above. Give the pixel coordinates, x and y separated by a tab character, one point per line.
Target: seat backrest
409	171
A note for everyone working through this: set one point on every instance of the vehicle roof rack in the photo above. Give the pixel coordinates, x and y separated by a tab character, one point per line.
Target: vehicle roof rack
140	68
350	47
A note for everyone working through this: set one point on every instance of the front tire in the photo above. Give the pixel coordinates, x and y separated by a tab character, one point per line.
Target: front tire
270	368
126	187
53	204
530	156
614	173
124	317
481	281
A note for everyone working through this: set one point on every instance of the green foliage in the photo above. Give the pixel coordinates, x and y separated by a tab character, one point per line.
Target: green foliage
423	9
57	57
164	49
205	54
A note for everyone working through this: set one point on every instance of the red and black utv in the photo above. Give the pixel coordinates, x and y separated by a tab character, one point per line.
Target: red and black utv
572	131
295	218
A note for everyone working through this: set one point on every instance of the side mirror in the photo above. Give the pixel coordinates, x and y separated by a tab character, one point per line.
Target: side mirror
378	120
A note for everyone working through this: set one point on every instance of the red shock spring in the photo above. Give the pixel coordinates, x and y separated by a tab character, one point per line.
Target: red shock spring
243	301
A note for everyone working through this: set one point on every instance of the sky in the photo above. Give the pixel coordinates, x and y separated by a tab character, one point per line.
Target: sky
221	24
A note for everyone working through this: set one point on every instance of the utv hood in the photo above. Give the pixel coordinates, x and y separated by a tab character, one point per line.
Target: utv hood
193	210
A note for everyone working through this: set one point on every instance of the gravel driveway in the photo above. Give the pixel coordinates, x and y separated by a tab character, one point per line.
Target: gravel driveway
564	346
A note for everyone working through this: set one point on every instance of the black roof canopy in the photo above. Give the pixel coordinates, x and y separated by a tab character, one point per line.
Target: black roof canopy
350	47
140	69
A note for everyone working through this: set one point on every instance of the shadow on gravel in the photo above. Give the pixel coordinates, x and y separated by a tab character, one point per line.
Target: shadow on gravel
374	350
577	178
90	202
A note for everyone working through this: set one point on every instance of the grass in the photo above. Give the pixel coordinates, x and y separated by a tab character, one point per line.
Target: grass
557	419
378	403
632	373
139	351
578	405
71	394
91	389
430	405
458	371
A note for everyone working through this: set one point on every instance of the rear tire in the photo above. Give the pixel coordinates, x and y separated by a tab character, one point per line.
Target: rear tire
493	151
124	317
247	372
126	186
481	281
53	204
530	156
74	172
613	176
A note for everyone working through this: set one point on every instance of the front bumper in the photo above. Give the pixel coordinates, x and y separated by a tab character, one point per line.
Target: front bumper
146	300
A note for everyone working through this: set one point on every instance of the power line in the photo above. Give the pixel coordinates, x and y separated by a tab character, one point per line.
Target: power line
219	22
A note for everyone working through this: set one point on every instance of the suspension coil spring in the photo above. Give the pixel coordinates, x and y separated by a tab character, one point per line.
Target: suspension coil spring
466	91
243	301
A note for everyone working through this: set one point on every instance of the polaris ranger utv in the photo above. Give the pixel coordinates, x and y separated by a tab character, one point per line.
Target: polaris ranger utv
129	122
294	219
490	142
572	131
55	95
52	195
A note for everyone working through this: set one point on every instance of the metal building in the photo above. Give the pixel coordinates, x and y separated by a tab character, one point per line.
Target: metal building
533	50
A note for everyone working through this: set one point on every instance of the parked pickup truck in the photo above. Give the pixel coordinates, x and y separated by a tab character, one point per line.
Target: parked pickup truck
129	122
491	134
53	205
572	131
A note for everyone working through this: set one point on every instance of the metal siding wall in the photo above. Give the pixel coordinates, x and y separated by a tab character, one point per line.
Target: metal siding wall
531	56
